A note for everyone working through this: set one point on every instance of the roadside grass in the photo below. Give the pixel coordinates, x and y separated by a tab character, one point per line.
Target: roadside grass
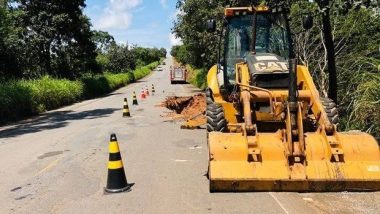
365	111
197	77
22	98
145	70
29	97
97	85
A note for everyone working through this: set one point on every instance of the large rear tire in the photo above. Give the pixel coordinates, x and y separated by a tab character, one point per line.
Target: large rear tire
209	97
215	118
331	110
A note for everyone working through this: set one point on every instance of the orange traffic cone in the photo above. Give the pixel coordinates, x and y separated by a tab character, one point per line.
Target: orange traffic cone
142	94
116	180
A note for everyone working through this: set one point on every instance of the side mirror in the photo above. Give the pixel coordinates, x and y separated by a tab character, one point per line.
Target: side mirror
211	25
308	22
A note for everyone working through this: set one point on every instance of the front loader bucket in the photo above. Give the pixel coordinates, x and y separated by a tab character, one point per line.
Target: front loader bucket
236	165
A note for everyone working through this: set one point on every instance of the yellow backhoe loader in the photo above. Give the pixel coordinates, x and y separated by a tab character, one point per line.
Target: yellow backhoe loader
268	127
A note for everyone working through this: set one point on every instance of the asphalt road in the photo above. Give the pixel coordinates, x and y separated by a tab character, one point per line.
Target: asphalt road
57	163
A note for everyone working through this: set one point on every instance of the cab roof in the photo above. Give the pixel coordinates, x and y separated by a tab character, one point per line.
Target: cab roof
237	11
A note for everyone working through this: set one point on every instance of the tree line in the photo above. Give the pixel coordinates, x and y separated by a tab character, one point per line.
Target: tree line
50	37
356	35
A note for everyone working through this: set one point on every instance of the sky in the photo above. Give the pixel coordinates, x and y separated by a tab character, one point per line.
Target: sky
146	23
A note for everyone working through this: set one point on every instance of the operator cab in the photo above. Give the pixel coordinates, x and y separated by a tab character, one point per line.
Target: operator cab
258	37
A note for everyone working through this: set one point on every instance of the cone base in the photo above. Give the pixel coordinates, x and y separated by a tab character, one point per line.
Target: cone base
127	188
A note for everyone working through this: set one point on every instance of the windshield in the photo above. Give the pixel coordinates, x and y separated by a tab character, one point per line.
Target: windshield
271	37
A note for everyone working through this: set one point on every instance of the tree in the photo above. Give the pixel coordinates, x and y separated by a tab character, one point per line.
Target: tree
324	6
11	43
58	37
356	35
145	56
181	54
103	40
190	27
163	52
121	59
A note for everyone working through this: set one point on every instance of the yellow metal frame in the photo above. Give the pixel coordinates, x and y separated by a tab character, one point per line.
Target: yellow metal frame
212	82
291	158
325	160
230	11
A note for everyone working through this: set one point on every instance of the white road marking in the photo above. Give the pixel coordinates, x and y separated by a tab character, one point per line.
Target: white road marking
180	160
308	199
195	147
278	202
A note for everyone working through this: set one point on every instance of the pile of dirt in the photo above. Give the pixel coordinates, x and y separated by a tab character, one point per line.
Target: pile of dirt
196	106
177	104
187	107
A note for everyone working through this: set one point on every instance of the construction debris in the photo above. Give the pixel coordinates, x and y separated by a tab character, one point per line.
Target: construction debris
190	109
177	104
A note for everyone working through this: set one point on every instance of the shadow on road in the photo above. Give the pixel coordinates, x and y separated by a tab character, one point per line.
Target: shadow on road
114	94
54	120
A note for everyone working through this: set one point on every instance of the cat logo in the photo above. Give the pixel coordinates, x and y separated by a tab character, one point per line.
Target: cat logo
271	66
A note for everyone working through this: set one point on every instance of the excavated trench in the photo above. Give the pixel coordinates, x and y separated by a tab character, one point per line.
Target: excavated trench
186	107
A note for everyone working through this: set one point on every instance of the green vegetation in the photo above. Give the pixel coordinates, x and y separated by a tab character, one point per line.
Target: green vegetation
364	112
197	77
356	33
20	98
143	71
101	84
27	97
50	57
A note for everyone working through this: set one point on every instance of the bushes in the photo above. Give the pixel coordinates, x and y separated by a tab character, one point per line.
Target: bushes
201	78
48	93
366	106
23	98
102	84
15	100
143	71
197	77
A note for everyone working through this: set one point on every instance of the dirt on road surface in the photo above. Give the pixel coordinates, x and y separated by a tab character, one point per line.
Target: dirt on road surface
57	163
187	107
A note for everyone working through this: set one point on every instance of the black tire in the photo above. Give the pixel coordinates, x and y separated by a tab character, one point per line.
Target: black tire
331	110
209	98
215	118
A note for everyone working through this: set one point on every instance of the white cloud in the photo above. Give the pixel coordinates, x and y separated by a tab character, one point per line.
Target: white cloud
164	3
111	20
174	40
174	15
117	15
